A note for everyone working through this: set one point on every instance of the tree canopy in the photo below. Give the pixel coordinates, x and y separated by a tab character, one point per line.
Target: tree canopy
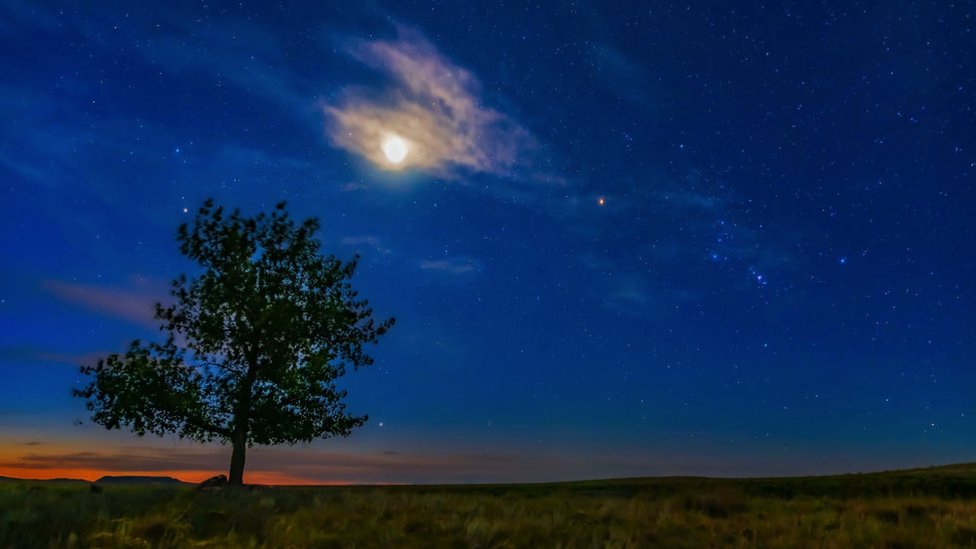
255	342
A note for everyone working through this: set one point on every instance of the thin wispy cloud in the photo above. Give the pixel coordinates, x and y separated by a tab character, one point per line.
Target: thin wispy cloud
460	265
311	465
433	105
630	294
367	242
133	306
457	267
293	464
240	53
32	354
622	74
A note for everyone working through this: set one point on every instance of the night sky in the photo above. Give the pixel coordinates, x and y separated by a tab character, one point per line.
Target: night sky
618	241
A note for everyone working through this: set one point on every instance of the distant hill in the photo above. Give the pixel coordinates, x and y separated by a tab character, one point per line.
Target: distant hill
133	479
58	480
139	480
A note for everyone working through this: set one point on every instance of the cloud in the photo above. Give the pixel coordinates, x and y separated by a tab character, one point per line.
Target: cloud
434	105
125	461
692	200
136	307
31	354
459	265
239	52
622	75
308	465
369	242
630	292
293	465
261	160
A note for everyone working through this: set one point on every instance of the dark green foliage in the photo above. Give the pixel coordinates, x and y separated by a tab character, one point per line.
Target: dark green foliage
255	342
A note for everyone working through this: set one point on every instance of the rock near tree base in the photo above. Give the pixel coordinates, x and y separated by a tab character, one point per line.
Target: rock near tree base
219	481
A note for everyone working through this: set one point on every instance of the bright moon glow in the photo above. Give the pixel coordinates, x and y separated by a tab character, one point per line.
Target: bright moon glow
395	149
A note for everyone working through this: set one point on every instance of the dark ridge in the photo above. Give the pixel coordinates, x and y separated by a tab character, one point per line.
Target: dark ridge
139	480
58	480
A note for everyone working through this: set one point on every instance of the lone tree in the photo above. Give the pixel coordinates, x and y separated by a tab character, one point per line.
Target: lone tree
255	342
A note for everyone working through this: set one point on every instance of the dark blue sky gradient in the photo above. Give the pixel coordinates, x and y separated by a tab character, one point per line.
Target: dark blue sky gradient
779	278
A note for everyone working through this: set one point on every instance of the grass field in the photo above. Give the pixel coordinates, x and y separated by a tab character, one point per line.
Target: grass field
919	508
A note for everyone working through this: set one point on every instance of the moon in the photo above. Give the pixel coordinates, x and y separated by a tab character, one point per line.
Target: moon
395	149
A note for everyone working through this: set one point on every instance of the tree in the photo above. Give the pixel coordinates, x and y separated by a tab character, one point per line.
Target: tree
255	342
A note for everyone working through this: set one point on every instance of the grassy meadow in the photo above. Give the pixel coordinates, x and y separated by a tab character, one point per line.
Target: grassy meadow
919	508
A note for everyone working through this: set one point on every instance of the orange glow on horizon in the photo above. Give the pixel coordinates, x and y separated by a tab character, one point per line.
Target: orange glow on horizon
191	476
12	464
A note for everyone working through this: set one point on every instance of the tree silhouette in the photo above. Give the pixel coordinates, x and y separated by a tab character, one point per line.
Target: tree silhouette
255	342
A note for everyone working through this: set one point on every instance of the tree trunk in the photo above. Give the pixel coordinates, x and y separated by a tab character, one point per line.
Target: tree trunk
236	477
242	425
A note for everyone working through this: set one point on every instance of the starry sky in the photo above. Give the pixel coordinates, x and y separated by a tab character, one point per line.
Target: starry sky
632	239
